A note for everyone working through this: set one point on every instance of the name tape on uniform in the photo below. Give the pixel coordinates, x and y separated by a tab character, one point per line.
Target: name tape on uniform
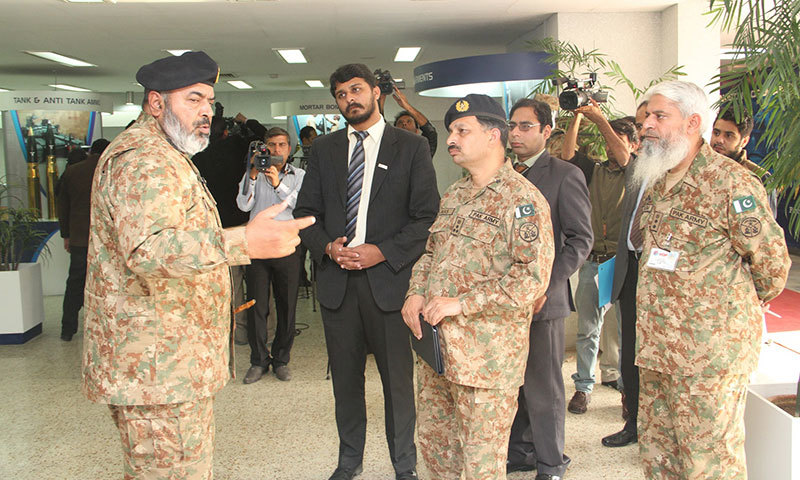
524	211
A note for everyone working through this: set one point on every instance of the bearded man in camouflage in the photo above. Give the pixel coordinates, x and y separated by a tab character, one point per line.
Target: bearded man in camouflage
158	314
712	258
488	258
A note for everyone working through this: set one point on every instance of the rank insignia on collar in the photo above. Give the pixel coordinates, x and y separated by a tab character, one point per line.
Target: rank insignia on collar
524	211
743	204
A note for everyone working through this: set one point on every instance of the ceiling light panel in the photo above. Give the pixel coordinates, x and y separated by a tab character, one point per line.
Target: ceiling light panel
407	54
240	84
72	88
291	55
314	84
62	59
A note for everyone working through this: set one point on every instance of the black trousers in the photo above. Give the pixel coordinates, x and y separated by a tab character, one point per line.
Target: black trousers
537	434
629	370
353	329
73	294
284	276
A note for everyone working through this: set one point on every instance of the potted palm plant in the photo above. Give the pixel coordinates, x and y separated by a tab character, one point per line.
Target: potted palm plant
20	282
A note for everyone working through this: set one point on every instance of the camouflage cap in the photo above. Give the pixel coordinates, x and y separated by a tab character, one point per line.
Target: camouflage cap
177	72
474	104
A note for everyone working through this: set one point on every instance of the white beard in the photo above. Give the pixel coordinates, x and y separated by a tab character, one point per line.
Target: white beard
656	157
185	141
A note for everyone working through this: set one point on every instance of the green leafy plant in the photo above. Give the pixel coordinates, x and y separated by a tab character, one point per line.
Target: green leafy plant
17	229
575	62
766	49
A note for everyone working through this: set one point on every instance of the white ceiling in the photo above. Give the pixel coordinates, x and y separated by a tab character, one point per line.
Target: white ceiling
240	35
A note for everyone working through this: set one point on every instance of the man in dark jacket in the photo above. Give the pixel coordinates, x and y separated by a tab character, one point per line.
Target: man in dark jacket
73	218
537	435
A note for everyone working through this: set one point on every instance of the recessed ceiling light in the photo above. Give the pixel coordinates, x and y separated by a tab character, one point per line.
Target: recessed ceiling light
407	54
291	55
280	117
56	57
177	53
4	90
63	86
240	84
314	84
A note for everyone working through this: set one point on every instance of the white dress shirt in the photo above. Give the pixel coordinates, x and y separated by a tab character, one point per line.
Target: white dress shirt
372	145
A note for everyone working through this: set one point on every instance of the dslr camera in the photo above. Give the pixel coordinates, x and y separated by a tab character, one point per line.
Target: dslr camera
261	158
386	83
578	92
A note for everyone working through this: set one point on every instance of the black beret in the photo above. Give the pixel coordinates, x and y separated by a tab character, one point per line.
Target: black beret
474	104
177	72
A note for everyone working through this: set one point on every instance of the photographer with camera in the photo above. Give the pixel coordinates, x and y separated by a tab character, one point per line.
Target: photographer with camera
606	182
409	118
269	181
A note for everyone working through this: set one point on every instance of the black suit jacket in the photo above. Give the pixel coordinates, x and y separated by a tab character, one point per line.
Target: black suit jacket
564	187
628	204
404	201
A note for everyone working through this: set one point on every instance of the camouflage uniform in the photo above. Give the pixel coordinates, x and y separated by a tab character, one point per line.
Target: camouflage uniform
493	250
699	327
158	314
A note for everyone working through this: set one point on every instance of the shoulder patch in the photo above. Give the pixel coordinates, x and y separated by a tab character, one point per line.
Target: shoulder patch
750	227
485	217
529	232
743	204
523	211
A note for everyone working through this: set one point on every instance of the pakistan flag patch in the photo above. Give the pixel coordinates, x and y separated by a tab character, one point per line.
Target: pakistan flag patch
743	204
524	211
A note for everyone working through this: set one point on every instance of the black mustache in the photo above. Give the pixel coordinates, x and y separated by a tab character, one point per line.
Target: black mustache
354	105
453	148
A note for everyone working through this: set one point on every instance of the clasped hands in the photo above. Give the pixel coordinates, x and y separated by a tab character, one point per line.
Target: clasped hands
354	258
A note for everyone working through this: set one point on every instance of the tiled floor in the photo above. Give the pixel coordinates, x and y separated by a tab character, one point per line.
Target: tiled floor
269	430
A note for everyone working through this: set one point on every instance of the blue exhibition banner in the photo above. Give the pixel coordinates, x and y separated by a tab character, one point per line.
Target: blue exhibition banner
605	280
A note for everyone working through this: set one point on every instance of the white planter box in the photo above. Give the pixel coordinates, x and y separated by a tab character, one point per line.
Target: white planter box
22	304
772	436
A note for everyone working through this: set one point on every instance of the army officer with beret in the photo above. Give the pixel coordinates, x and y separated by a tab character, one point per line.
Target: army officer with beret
488	258
158	312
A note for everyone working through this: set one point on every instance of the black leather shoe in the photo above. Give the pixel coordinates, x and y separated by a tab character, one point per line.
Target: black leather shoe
409	475
343	473
519	467
620	439
67	337
612	384
548	476
254	374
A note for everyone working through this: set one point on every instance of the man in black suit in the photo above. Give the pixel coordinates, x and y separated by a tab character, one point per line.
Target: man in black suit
626	276
372	188
537	434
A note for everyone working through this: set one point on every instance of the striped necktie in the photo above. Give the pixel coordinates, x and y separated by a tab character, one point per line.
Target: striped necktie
355	176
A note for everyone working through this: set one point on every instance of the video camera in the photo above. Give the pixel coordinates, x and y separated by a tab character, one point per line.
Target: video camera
386	83
261	158
578	92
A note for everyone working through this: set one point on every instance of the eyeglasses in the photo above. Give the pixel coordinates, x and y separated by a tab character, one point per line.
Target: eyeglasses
523	127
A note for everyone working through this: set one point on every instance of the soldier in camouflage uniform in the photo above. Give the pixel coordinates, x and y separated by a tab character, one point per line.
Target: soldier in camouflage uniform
158	313
712	257
488	258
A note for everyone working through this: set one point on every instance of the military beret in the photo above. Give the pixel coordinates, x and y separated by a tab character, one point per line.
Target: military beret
177	72
474	104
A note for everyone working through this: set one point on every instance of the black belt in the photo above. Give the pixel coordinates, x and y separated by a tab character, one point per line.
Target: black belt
600	257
